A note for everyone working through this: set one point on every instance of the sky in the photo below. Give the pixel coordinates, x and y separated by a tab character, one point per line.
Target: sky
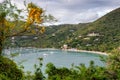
74	11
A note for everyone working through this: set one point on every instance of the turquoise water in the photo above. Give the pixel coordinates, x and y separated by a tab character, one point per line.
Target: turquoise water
59	58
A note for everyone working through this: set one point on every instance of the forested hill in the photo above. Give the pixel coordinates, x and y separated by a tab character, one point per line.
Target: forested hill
54	36
100	35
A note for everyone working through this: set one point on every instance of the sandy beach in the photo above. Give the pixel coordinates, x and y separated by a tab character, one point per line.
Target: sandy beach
96	52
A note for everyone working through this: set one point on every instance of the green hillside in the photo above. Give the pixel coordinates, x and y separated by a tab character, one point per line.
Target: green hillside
54	36
100	35
106	32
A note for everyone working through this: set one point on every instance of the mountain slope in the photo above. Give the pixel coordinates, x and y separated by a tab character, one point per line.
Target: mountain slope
108	28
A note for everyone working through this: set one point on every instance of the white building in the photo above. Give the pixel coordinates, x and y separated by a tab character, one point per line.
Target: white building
65	46
93	34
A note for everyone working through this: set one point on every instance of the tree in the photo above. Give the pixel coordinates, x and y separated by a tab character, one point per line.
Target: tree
9	70
113	65
38	72
13	24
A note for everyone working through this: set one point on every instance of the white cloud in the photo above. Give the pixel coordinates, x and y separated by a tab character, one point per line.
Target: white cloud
87	16
1	1
75	11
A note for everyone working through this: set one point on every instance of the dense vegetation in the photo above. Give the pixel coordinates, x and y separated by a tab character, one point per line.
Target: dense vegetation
54	36
9	70
101	35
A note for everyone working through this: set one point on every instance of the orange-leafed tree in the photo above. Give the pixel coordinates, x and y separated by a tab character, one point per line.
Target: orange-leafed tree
11	18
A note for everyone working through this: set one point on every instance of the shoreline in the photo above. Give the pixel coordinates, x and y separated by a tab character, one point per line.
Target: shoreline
95	52
71	49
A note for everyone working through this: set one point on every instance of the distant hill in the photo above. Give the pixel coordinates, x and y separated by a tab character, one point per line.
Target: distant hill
100	35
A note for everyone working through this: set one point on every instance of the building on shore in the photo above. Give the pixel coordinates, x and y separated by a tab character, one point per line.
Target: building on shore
64	47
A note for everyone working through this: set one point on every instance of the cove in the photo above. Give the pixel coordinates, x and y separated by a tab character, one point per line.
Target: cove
29	57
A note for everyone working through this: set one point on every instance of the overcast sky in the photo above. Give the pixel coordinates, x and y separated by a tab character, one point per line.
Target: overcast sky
75	11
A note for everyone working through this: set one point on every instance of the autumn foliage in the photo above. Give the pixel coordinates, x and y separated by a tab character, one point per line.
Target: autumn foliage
10	21
35	16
